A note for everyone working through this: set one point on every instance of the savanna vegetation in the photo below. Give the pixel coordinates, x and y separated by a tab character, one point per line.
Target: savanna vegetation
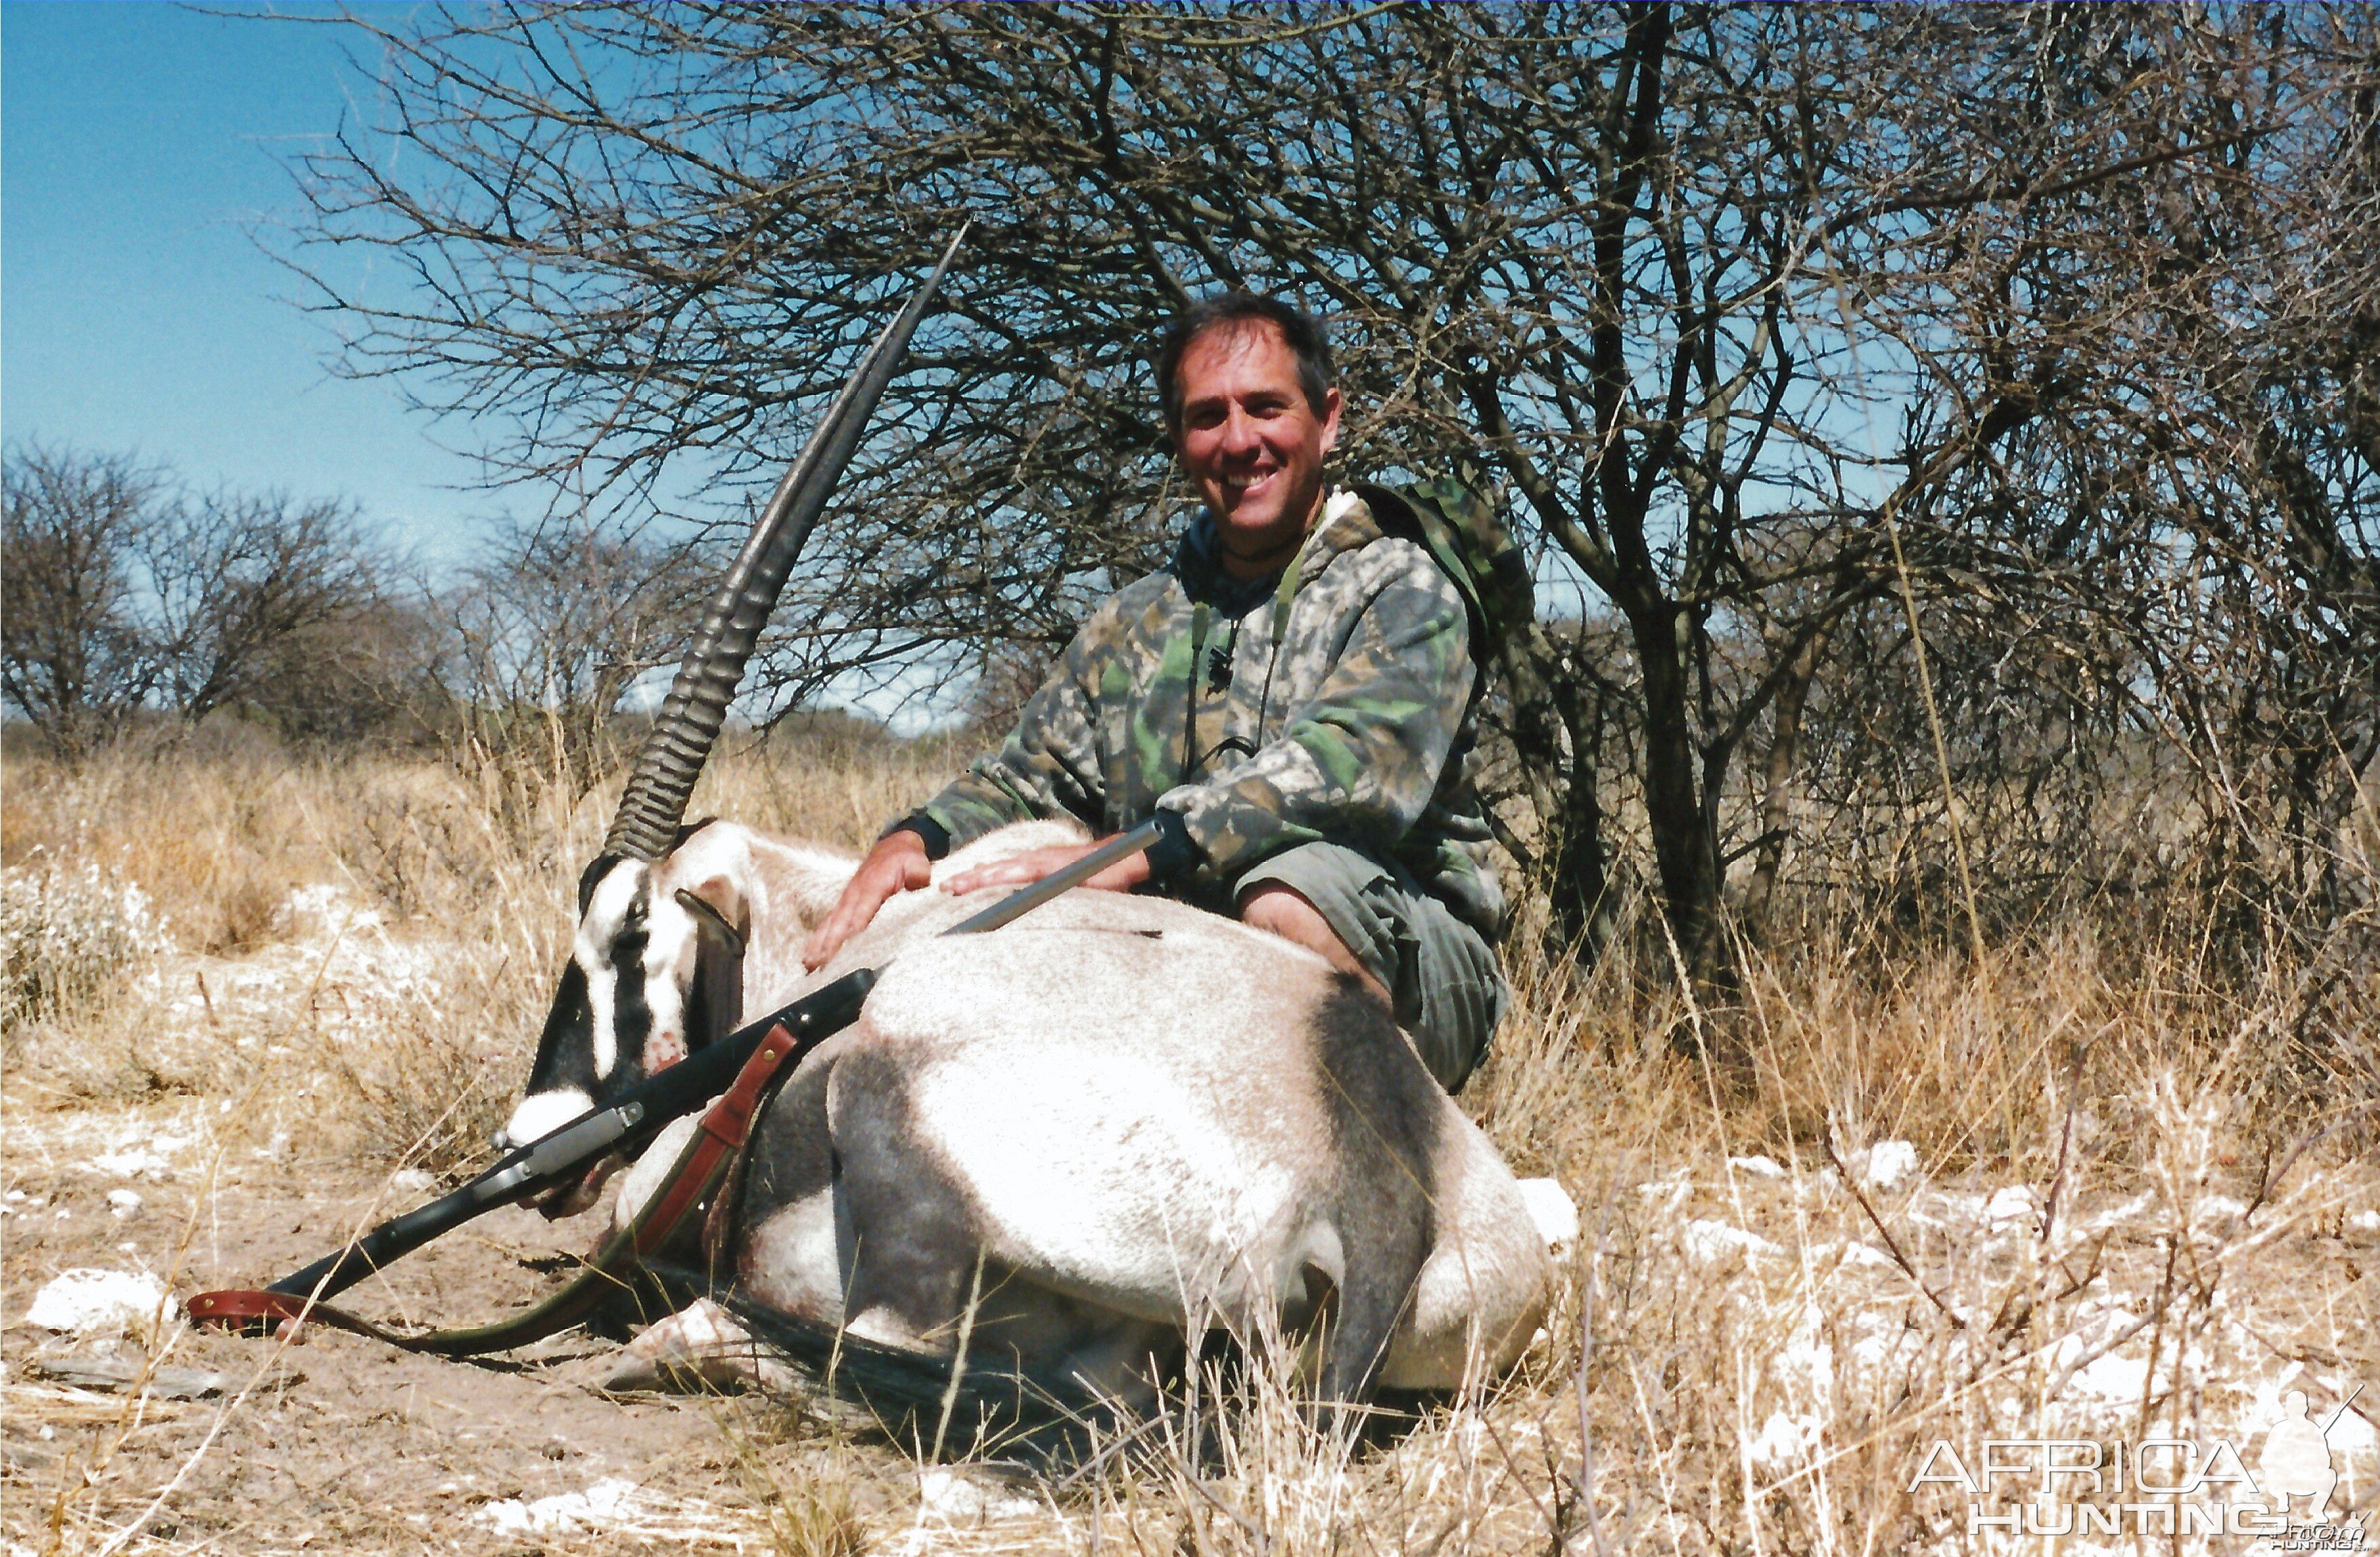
1941	795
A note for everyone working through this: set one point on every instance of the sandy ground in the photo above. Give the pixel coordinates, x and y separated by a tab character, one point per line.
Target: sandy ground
341	1443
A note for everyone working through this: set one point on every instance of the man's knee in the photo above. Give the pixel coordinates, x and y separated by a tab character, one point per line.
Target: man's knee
1285	911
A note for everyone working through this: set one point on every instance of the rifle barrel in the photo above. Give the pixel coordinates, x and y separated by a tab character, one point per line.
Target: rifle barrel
1022	901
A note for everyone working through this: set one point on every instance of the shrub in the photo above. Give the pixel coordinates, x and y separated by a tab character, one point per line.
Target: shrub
67	939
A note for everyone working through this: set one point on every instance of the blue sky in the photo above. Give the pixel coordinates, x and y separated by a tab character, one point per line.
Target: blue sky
142	155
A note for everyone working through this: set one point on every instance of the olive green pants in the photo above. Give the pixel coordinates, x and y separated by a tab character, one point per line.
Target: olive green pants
1440	972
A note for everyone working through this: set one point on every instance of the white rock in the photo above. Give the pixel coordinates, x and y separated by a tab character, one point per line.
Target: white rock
2016	1203
608	1502
2219	1208
1805	1367
132	1162
2114	1378
1889	1163
1552	1210
1784	1440
123	1202
1758	1167
1709	1241
92	1302
947	1494
2365	1221
412	1181
325	909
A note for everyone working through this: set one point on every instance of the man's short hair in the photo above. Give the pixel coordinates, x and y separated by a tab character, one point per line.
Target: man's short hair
1304	332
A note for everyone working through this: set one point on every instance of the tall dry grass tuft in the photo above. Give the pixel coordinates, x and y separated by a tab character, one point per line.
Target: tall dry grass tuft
2062	1195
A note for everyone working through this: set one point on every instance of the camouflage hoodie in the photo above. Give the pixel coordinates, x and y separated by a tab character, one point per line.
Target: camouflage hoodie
1357	731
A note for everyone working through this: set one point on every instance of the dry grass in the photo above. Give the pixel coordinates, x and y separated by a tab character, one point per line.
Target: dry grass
2139	1199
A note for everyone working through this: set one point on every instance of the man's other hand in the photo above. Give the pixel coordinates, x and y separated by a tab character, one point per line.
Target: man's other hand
897	863
1024	869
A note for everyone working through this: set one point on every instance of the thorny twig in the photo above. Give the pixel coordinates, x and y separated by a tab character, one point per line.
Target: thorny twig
1900	1258
2270	1180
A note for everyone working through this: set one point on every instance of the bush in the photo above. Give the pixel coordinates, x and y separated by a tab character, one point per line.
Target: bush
67	939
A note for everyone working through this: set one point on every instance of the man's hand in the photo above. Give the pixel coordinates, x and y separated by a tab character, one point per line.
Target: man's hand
1026	868
897	863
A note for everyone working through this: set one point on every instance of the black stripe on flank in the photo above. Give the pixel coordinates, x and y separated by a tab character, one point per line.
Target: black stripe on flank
1383	1110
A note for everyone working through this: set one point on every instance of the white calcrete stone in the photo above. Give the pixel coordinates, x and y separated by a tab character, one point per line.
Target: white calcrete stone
1552	1210
1785	1440
1889	1163
948	1495
1710	1241
2011	1206
133	1160
95	1302
609	1502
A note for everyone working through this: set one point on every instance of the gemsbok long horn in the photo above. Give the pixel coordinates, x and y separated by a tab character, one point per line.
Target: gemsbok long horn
688	723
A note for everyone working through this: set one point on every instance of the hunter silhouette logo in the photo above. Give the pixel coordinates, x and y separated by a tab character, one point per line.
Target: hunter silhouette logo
2296	1461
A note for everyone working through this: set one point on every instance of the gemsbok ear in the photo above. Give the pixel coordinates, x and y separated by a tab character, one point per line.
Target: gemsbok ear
713	903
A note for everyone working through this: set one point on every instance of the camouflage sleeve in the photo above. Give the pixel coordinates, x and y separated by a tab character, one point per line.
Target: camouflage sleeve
1048	765
1360	762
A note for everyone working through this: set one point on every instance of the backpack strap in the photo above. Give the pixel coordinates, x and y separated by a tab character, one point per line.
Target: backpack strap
1461	532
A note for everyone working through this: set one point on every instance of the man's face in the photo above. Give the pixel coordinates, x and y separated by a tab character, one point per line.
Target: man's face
1250	441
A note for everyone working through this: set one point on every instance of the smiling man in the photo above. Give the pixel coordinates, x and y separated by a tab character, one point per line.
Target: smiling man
1291	699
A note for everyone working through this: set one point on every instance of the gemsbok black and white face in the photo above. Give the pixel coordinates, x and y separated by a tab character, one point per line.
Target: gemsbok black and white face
655	974
655	968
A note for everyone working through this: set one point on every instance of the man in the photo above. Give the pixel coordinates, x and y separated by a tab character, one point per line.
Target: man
1290	698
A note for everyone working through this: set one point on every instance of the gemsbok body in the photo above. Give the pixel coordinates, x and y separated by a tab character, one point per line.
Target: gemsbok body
1083	1139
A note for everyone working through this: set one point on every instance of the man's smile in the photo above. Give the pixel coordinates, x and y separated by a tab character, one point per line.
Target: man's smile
1240	486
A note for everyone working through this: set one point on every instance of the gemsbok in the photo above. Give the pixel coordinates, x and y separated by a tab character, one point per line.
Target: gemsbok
1082	1138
